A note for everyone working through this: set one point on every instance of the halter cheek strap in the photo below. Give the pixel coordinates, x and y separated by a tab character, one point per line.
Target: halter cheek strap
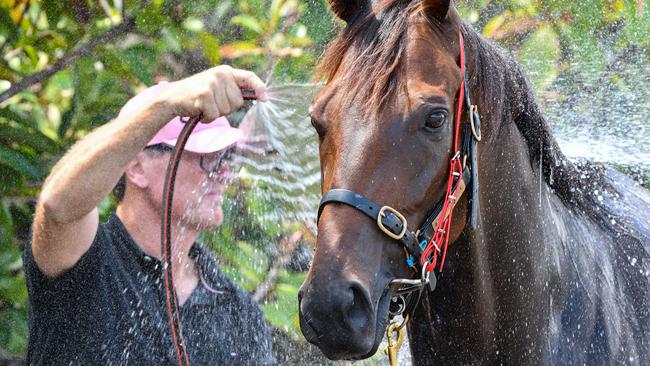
389	220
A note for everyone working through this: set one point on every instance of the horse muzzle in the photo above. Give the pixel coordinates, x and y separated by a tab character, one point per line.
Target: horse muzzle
340	319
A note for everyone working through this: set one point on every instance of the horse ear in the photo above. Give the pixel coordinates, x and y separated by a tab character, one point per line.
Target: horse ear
346	9
437	9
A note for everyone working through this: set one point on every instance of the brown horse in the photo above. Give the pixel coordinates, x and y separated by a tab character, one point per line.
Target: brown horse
556	267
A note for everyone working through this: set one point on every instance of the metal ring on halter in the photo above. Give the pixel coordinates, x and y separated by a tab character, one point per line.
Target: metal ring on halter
424	280
404	322
472	110
424	277
401	304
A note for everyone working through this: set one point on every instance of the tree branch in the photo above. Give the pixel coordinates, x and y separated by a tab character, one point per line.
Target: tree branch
67	60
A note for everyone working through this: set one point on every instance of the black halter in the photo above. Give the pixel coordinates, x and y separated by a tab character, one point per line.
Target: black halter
393	224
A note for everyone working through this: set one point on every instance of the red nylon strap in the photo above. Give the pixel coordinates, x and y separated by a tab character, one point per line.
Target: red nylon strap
437	246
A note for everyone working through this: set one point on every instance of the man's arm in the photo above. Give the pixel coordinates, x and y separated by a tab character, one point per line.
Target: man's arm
66	216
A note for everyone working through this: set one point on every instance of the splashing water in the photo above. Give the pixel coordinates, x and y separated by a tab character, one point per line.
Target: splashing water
281	152
604	118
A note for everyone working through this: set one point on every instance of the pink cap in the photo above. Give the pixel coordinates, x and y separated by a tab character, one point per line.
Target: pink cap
205	138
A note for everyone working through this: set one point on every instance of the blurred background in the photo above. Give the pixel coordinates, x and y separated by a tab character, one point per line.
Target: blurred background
67	67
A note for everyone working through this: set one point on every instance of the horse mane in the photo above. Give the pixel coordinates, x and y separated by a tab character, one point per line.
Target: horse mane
573	182
372	44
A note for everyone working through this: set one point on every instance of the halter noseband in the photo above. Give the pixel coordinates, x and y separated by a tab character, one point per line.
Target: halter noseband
430	241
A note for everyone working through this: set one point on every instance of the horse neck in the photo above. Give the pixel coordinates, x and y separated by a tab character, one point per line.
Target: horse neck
489	269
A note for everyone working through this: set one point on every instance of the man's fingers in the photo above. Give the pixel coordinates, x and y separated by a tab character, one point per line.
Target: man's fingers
205	104
249	80
221	99
233	93
215	92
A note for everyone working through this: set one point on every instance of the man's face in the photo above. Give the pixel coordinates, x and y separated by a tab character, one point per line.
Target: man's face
198	189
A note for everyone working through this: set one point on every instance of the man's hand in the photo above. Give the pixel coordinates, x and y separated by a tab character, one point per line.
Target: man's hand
215	92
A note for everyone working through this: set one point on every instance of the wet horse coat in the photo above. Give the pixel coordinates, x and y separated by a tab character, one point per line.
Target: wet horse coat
558	269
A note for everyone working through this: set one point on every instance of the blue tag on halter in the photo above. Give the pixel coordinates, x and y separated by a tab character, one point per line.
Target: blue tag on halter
423	244
410	261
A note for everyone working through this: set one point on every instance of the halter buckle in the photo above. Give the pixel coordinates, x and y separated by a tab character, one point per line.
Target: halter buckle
385	229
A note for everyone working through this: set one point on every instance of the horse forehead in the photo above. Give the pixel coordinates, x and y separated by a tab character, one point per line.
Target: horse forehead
431	56
421	89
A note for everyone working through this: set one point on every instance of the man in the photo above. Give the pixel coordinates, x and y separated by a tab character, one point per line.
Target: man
96	290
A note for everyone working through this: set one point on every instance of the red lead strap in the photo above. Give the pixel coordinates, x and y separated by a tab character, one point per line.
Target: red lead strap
437	246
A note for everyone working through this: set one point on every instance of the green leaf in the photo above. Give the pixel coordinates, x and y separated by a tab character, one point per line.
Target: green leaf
211	47
637	25
141	59
248	22
11	181
12	289
13	331
587	57
6	228
20	135
66	119
7	26
20	163
52	11
150	20
18	117
588	14
6	73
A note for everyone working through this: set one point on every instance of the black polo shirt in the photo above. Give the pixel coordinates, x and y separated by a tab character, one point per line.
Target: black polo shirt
110	310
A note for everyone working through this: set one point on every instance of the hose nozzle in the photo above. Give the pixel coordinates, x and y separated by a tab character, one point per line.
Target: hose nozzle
248	94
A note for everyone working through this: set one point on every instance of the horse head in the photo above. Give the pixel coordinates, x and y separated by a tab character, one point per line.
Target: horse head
386	121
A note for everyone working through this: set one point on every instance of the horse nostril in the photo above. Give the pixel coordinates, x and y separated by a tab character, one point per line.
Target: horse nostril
358	314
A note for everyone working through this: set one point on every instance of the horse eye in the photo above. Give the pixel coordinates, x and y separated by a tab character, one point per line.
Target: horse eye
436	119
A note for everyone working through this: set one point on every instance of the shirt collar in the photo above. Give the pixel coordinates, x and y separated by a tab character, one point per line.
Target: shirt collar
207	264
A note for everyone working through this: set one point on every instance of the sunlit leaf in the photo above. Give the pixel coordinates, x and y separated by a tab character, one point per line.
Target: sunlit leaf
247	22
150	20
210	47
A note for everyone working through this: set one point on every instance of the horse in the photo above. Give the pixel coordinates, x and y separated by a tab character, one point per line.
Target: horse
546	261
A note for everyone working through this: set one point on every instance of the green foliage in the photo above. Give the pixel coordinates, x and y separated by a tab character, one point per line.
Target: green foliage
13	293
552	35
